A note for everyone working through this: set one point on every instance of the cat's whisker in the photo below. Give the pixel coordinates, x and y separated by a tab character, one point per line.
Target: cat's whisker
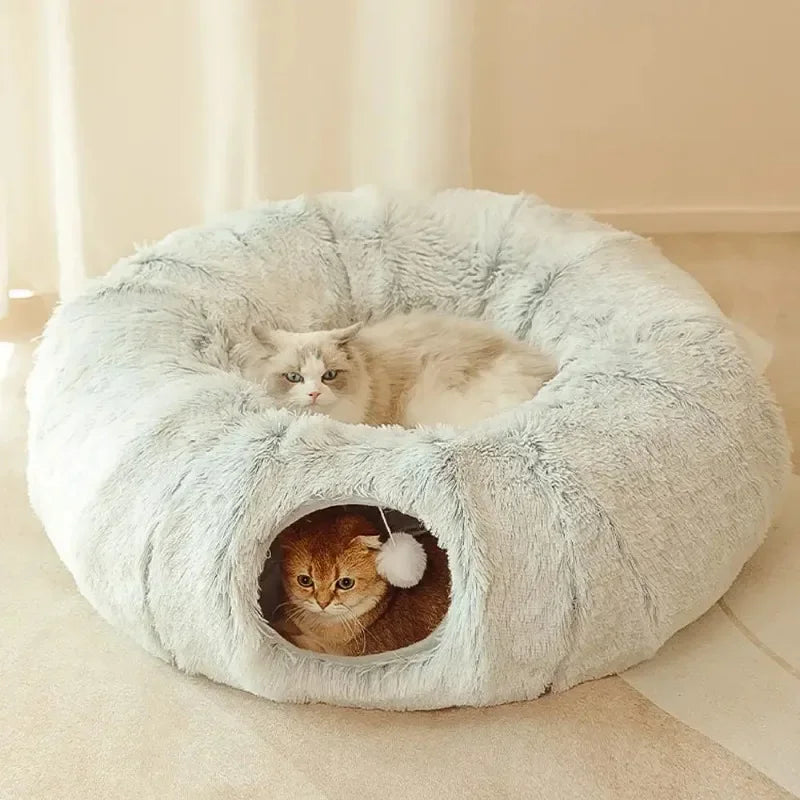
295	614
280	606
357	627
346	623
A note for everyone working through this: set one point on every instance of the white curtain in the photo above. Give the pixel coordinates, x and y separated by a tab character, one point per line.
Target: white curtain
124	119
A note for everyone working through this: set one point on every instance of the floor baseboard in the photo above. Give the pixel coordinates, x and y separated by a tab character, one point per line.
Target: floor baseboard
758	219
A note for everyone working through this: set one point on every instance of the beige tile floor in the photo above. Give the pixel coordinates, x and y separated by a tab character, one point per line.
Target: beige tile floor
715	715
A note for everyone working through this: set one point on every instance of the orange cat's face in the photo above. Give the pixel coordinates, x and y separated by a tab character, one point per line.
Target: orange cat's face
328	565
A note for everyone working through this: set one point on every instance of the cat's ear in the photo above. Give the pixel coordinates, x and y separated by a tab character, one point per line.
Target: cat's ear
265	336
370	542
345	335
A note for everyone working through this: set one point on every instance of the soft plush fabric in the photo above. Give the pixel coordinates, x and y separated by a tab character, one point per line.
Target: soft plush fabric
582	529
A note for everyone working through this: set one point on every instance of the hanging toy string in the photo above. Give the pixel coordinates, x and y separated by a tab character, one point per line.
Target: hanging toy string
386	523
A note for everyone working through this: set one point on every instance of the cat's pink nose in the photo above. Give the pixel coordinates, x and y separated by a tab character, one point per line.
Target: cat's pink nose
314	395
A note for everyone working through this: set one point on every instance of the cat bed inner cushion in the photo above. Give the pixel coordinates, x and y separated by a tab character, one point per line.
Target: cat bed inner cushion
582	529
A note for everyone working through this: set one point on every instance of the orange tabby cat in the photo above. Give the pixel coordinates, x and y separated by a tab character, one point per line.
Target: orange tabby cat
334	601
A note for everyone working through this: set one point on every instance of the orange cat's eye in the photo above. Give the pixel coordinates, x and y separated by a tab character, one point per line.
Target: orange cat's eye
345	583
305	580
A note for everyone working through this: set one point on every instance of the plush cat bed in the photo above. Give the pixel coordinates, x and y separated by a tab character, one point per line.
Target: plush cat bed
582	529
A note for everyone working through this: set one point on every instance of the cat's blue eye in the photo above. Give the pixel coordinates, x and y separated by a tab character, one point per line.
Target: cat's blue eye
293	377
329	374
345	583
305	580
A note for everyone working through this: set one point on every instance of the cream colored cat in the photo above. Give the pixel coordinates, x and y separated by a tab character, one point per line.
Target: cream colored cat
420	368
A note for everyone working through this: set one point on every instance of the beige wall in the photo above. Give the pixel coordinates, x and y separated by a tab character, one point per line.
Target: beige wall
681	108
122	120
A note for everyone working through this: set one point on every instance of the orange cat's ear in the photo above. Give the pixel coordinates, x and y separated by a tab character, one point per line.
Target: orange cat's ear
370	542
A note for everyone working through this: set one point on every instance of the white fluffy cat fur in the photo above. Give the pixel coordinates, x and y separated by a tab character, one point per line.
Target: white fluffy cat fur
420	368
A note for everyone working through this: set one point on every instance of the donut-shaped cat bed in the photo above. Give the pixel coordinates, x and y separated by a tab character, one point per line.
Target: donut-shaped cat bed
582	528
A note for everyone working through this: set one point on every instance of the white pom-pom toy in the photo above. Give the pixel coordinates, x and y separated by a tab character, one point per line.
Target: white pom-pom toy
401	560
